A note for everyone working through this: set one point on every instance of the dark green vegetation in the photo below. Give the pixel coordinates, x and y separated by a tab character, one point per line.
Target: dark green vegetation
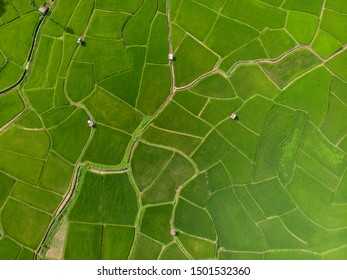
164	153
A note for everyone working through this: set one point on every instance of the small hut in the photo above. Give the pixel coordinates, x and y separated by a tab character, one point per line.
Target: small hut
171	56
91	123
233	116
43	10
80	41
173	232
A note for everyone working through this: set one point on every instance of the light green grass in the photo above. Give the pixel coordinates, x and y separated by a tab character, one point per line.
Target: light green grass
215	86
155	88
26	225
336	65
288	149
249	203
197	191
189	19
184	143
22	167
218	178
117	242
36	197
218	110
56	175
235	229
107	24
253	112
173	252
302	26
255	13
251	51
278	203
9	250
223	255
335	24
10	105
337	5
325	44
125	85
136	31
172	177
87	205
41	99
177	119
210	151
315	201
199	249
39	67
276	42
109	56
228	35
257	82
318	238
291	255
313	168
23	30
70	136
312	7
59	19
156	159
112	111
193	220
158	45
240	137
54	64
238	166
322	151
332	127
119	201
277	126
290	67
80	18
119	6
107	146
30	120
6	187
30	143
278	237
83	242
194	103
156	223
81	81
145	249
192	61
57	115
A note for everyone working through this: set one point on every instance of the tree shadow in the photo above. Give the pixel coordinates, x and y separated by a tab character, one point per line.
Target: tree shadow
33	3
2	7
65	28
69	30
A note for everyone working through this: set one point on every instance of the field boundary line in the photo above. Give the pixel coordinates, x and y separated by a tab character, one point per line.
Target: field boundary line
320	18
175	132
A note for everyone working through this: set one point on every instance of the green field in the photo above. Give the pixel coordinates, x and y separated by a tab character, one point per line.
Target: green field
234	148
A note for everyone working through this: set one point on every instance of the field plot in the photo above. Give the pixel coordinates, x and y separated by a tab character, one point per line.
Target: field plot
18	31
173	129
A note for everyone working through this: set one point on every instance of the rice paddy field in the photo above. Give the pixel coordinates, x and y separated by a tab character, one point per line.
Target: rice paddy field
165	172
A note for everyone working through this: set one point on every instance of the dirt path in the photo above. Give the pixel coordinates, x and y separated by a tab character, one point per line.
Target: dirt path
106	172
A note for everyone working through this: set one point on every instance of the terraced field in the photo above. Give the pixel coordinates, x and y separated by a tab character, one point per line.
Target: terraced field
164	153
